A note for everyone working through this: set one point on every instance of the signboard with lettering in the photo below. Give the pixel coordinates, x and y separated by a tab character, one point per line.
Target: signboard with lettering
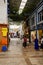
4	31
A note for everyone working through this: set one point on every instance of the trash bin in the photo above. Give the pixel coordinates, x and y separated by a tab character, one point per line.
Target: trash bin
4	48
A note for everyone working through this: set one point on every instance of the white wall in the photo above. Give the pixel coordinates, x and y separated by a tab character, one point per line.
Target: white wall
3	12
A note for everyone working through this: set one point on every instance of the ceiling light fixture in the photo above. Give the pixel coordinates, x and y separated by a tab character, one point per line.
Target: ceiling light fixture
22	5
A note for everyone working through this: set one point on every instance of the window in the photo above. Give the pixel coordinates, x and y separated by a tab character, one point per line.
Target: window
33	22
40	16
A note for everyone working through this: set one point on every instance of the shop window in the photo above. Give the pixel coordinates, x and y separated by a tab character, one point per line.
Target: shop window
40	16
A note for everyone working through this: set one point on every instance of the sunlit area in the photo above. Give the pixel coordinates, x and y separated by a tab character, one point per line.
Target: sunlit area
21	32
22	5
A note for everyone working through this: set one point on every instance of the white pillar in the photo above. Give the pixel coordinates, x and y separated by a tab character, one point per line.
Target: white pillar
3	12
37	34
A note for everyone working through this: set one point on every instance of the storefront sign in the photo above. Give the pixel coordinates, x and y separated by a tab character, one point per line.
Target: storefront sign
4	31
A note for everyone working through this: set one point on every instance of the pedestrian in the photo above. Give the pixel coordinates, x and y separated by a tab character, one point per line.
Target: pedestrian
9	37
41	46
24	41
36	44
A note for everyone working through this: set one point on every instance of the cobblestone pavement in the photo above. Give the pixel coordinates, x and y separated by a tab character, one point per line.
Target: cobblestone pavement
17	55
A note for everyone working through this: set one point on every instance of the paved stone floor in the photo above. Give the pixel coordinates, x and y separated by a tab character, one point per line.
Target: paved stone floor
17	55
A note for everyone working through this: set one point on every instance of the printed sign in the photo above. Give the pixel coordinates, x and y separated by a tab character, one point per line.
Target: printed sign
4	31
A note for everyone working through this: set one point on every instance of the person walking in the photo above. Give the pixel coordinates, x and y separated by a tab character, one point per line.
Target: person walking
24	41
41	46
36	44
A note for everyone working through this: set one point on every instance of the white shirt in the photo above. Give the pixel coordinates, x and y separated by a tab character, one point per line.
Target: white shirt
41	40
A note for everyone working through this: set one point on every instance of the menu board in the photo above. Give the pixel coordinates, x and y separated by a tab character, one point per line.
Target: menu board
4	31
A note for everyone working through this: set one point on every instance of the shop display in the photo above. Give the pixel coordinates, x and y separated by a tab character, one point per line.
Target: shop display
4	40
4	31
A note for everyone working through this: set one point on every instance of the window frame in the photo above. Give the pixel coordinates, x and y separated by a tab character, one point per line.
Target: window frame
40	16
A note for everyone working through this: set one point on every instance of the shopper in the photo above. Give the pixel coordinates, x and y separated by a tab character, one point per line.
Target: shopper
41	43
36	44
24	41
9	37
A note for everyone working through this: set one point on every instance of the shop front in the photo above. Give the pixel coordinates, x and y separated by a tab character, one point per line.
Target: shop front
33	33
40	30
